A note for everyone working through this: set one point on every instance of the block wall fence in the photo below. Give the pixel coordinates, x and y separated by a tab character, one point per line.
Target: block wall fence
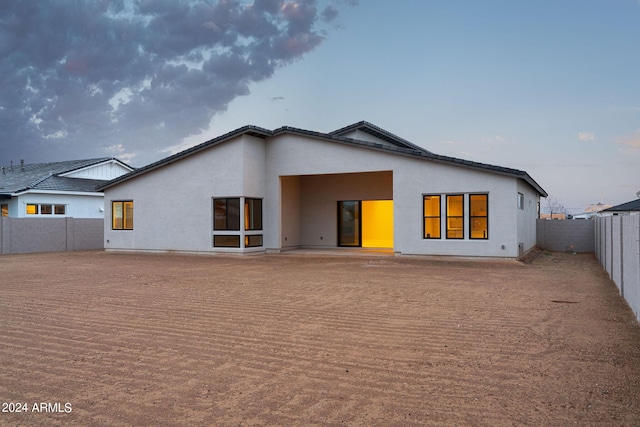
29	235
576	235
617	247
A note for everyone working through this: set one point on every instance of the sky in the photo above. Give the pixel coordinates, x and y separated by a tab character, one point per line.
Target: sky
550	87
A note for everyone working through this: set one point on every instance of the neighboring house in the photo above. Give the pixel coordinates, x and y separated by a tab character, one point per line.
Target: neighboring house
553	216
629	208
257	190
57	189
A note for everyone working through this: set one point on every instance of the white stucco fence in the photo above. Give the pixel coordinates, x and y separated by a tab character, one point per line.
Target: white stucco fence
618	250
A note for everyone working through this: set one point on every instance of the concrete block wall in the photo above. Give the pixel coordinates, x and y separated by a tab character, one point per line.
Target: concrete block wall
29	235
618	250
577	235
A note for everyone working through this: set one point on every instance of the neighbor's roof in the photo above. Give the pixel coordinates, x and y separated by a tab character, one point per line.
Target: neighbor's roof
400	147
633	205
45	176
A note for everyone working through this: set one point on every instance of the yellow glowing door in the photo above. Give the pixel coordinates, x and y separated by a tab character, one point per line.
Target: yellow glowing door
377	223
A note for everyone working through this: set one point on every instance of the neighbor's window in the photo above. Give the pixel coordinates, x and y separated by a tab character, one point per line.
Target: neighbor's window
59	209
431	208
122	215
520	201
46	210
33	209
455	217
252	214
479	216
5	210
226	214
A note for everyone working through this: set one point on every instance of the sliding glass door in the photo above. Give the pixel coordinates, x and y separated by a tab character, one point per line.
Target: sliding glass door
349	225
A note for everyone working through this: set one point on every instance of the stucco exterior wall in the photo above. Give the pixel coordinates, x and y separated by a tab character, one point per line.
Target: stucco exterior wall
85	205
414	178
290	207
173	205
301	179
289	155
526	217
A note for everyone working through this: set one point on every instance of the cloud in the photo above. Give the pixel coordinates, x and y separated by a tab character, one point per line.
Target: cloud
630	144
494	139
81	77
586	136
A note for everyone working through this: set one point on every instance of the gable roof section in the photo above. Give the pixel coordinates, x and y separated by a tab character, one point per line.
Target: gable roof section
633	205
401	147
46	176
250	130
377	132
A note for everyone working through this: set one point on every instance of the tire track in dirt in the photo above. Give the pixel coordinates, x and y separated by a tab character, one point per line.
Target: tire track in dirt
278	341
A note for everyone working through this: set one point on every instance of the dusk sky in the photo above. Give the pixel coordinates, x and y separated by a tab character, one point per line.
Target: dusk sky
546	86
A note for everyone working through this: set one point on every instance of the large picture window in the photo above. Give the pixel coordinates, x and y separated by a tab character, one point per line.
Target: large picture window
479	216
432	219
455	216
122	215
226	214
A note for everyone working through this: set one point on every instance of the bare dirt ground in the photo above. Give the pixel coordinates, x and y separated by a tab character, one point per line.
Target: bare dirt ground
140	339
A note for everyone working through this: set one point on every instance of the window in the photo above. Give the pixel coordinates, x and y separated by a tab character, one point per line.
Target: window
253	214
122	215
43	209
5	210
455	217
226	214
253	240
520	201
431	210
221	241
479	216
239	214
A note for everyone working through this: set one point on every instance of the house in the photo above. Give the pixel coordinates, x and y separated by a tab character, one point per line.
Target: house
258	190
629	208
57	189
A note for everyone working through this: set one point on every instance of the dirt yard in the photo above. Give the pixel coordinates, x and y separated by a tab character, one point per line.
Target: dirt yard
95	338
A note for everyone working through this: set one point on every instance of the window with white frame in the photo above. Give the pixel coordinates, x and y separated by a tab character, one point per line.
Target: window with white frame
45	209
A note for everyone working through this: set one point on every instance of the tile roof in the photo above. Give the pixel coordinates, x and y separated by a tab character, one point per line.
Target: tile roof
44	176
400	147
633	205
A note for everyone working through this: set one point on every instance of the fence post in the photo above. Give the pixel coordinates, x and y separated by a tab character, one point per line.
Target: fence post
69	234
